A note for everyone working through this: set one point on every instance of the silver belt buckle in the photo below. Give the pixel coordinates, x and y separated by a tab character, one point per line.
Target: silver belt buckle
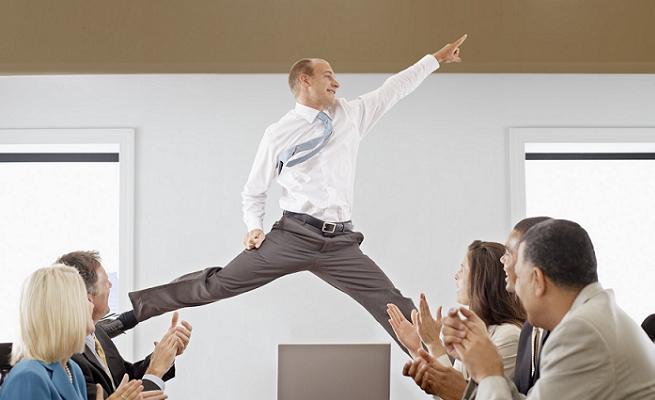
327	230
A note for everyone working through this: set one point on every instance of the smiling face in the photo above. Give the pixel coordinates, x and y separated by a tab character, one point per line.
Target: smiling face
525	285
319	89
100	299
462	278
509	260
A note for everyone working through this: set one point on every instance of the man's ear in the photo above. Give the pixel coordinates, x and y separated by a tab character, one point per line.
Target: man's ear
540	282
304	80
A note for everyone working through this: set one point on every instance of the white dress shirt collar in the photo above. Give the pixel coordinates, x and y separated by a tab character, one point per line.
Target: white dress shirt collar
308	113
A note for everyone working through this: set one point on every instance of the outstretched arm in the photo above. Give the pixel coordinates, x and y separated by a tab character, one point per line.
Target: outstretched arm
370	107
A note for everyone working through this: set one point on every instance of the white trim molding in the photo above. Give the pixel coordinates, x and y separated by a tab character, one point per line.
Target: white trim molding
124	138
519	137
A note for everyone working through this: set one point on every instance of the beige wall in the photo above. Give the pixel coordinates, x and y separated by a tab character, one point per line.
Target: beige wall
221	36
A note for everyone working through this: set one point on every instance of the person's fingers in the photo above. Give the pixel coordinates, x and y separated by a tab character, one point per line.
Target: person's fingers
412	368
100	394
461	40
420	371
415	319
425	381
137	394
424	307
450	331
183	343
394	313
124	381
154	395
426	356
472	318
183	333
392	310
128	388
453	323
438	315
187	325
394	326
461	351
176	317
406	367
173	341
467	313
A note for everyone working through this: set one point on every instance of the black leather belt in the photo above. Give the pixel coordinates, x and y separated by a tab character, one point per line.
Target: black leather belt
323	226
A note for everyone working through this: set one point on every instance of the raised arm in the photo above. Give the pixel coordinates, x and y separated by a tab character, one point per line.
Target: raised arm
370	107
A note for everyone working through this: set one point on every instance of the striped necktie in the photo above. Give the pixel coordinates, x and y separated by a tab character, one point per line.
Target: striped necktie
312	147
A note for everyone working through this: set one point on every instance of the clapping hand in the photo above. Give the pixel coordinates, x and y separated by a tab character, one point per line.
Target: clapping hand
126	390
429	328
405	331
182	332
434	378
470	340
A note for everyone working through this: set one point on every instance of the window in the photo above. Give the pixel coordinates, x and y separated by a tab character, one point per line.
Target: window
604	179
64	190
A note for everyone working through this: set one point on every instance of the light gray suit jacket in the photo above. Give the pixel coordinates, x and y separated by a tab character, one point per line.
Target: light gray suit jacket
596	352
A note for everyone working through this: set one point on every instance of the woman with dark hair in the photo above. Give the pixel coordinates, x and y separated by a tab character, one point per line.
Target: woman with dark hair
480	284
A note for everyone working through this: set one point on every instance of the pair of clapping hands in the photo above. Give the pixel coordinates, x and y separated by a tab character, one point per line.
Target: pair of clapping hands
465	338
172	344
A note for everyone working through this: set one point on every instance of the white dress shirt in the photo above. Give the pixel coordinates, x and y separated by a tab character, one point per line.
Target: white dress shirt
323	185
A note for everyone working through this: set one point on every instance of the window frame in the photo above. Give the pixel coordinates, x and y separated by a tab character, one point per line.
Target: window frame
518	137
124	138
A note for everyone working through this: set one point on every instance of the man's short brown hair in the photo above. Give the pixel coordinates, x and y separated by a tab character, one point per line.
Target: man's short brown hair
302	66
86	263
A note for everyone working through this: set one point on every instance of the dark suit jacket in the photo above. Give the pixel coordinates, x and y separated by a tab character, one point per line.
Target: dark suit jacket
94	373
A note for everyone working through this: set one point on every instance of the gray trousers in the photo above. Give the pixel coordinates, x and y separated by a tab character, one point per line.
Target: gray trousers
291	246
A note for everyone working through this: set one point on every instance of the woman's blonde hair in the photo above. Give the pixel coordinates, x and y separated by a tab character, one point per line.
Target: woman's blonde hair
54	315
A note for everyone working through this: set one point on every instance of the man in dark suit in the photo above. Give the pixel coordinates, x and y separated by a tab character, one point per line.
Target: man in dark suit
532	339
101	361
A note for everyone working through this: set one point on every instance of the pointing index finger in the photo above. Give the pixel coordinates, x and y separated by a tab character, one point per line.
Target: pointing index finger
461	40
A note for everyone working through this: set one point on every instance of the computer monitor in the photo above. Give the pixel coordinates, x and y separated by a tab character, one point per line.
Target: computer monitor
333	371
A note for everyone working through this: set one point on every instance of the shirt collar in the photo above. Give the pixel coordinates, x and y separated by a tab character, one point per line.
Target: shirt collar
308	113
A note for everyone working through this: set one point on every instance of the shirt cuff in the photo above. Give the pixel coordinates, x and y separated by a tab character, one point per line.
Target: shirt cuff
430	62
253	223
494	387
156	380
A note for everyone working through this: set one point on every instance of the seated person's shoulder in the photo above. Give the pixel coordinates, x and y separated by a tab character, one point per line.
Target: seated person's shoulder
29	368
507	330
27	378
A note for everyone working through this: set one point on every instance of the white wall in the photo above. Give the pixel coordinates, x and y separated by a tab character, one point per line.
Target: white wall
432	177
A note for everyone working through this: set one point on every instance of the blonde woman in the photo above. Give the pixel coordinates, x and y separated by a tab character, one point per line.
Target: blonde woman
55	316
